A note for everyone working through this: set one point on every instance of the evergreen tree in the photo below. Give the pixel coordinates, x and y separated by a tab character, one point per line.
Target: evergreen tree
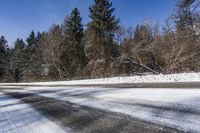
37	56
3	56
101	30
17	75
30	48
33	53
73	36
32	41
38	37
3	45
18	57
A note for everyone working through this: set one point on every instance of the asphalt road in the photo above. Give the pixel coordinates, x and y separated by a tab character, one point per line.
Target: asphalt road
85	110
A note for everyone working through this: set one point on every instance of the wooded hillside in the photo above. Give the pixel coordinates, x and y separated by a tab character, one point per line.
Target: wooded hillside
105	48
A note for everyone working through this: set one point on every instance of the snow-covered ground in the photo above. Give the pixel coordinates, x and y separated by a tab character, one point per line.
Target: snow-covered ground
177	108
182	77
18	117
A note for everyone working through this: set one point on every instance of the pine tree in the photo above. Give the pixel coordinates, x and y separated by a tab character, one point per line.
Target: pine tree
73	39
37	56
18	59
31	47
101	30
38	37
33	53
17	75
32	41
3	56
3	45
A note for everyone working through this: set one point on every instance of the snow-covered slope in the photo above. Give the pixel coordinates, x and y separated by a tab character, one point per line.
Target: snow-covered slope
182	77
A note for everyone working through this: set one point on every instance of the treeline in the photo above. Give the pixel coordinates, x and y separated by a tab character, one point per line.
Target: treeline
104	48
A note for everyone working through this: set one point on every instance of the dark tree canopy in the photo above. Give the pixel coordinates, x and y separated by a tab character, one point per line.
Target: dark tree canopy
103	20
73	56
101	30
31	40
3	56
3	45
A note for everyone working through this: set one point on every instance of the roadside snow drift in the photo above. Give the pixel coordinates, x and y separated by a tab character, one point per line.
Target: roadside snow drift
172	78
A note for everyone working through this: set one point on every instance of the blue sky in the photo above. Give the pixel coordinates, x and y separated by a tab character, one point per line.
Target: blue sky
19	17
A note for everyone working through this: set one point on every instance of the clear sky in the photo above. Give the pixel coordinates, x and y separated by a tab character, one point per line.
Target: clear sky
19	17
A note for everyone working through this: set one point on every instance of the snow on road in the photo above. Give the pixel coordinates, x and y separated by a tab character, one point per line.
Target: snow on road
18	117
177	108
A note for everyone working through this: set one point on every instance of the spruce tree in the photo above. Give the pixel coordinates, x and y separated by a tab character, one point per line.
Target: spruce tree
3	46
101	30
18	58
17	75
73	38
3	56
37	56
31	44
32	53
32	41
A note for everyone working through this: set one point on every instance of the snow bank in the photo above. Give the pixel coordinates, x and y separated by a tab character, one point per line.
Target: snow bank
182	77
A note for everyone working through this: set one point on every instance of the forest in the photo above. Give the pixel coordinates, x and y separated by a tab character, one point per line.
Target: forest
104	47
